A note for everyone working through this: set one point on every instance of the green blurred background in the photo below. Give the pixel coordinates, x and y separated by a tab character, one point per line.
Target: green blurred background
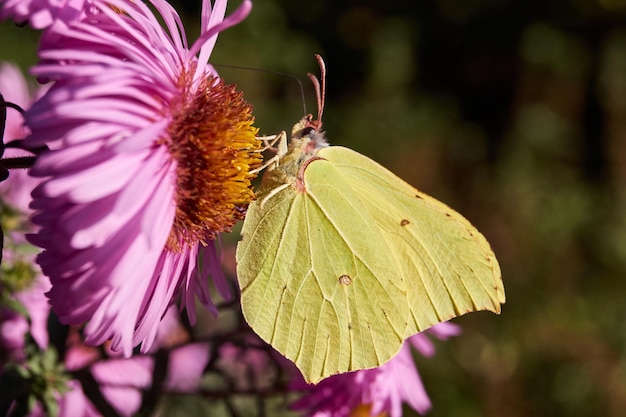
513	113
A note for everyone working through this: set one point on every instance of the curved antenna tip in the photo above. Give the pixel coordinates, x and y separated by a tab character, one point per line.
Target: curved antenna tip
320	90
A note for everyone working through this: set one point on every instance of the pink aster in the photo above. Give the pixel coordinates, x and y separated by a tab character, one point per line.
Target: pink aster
14	326
151	161
17	257
123	381
41	13
378	391
14	89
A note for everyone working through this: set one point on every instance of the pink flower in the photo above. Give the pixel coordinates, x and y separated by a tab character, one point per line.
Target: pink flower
151	161
186	366
19	268
13	87
14	326
74	403
246	365
41	13
123	380
71	404
378	391
120	380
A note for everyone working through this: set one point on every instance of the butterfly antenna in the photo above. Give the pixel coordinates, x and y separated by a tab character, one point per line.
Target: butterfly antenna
282	74
320	91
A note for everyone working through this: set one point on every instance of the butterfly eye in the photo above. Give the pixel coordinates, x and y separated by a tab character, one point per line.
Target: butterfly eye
307	131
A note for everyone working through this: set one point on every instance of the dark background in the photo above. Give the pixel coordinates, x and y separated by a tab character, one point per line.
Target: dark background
513	113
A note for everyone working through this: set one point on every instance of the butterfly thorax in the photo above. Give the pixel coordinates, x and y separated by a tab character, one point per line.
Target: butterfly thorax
306	141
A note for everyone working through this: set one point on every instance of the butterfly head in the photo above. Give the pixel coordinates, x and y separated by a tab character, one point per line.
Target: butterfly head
307	139
307	135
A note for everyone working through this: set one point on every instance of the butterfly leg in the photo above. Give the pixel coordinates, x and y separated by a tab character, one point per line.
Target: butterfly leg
269	141
281	150
273	193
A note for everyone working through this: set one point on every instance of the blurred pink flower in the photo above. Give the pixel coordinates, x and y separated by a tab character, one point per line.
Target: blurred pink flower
14	326
186	367
41	13
16	190
246	365
15	193
151	161
378	391
14	88
71	404
123	380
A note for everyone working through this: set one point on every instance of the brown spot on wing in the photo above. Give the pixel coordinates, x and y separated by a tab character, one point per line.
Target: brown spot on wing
404	222
345	280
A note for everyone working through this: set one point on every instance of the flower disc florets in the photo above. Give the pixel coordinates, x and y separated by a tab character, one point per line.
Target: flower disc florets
213	141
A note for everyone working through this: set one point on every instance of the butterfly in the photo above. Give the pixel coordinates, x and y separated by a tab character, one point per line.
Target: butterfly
340	260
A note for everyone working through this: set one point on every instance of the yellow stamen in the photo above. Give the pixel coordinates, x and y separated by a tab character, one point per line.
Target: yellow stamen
213	141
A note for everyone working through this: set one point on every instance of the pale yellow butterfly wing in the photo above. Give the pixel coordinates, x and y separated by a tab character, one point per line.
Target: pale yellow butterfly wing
318	280
448	266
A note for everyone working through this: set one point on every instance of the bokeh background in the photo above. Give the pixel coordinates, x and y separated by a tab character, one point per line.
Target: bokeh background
513	113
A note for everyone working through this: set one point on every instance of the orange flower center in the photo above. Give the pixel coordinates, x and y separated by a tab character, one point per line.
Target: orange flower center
215	145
